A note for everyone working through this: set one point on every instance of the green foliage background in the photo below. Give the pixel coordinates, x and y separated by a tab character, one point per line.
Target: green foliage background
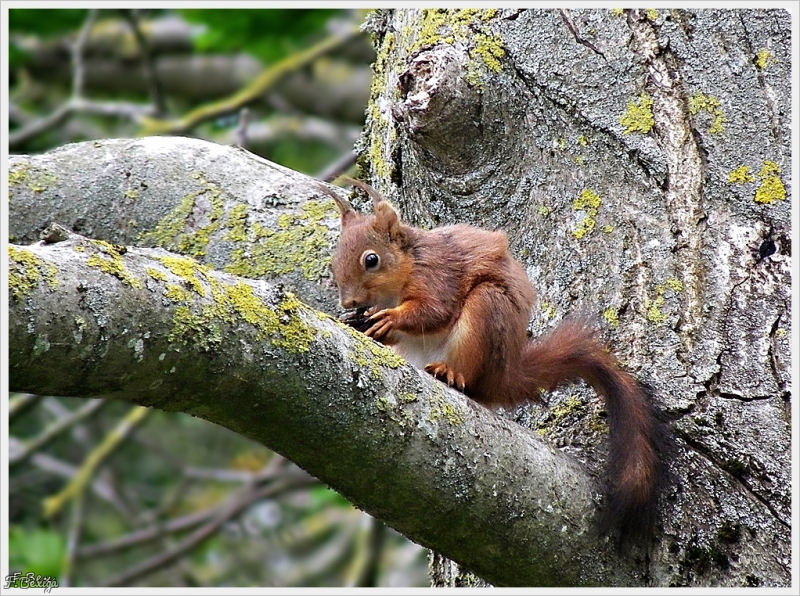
266	34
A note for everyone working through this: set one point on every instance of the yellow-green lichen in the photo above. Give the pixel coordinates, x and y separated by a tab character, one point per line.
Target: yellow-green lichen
638	116
588	202
179	231
558	413
653	311
176	293
282	326
132	194
405	398
369	353
652	14
700	102
301	242
780	332
80	326
187	269
771	188
489	49
769	168
740	175
440	408
467	26
196	330
617	12
612	316
26	270
608	228
543	210
675	285
202	326
156	274
79	248
377	123
763	58
548	311
597	423
108	259
237	223
583	140
35	178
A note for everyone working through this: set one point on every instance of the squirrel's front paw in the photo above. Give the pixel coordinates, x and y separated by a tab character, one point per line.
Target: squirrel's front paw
446	374
382	323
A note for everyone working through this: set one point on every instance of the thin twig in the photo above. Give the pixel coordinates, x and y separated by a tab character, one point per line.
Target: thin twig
78	66
19	403
293	476
241	130
232	508
73	538
338	167
101	488
148	63
54	430
77	103
220	475
132	111
37	127
113	440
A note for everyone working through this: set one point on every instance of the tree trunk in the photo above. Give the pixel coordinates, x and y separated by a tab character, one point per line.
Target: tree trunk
636	159
596	131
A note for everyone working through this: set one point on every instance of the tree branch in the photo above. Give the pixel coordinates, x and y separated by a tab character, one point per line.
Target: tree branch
262	84
163	331
25	449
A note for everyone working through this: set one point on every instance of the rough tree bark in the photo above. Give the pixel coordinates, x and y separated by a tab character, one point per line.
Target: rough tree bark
676	233
639	161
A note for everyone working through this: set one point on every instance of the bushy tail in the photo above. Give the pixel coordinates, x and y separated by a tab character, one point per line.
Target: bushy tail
637	437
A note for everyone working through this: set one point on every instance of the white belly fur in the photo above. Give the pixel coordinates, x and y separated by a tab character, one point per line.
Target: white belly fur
420	350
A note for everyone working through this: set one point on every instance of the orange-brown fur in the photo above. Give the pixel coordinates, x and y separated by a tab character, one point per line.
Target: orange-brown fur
455	302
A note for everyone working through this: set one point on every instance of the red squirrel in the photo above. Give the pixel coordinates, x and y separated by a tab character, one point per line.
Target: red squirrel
454	302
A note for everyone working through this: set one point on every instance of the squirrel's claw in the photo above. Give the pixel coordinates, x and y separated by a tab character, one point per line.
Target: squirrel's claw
446	374
381	324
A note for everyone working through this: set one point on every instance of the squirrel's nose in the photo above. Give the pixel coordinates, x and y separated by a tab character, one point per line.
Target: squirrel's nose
348	301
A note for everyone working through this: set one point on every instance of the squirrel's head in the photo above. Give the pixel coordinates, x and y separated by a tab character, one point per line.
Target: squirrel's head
372	260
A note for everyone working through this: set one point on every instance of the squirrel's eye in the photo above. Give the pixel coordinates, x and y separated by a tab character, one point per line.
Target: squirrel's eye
371	260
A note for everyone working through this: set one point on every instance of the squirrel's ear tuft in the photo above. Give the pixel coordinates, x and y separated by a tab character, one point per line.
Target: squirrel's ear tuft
376	197
345	208
387	221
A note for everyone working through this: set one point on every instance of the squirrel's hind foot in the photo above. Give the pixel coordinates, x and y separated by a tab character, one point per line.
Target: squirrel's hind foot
445	373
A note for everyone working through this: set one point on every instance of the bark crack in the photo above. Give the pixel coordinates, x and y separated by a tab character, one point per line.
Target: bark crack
578	37
706	453
775	366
